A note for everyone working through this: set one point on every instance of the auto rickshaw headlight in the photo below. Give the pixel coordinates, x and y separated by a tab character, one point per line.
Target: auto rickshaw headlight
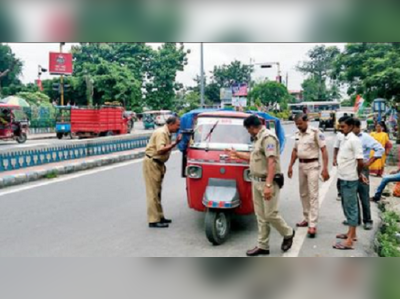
247	175
194	172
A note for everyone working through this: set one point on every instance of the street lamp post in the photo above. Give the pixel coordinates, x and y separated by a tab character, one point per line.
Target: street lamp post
202	74
62	79
268	65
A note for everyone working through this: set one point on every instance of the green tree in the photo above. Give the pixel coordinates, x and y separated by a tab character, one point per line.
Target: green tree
320	70
312	90
161	72
211	90
235	72
10	69
110	72
271	92
372	70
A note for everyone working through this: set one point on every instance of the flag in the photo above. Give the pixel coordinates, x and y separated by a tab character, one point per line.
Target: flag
359	106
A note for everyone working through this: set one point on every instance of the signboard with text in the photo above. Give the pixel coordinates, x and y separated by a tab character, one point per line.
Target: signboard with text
239	102
61	64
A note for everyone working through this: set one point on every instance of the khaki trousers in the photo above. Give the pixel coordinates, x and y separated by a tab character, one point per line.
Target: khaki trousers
267	214
154	176
309	192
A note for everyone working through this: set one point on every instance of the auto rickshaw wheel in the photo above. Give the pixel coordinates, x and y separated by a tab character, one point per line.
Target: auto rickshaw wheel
60	136
22	138
218	226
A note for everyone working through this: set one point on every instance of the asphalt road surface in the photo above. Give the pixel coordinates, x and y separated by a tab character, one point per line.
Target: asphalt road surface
102	213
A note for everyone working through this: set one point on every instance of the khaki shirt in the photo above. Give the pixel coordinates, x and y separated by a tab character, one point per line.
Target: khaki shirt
309	144
160	138
266	145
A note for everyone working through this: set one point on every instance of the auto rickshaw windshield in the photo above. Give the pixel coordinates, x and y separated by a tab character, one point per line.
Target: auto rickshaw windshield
229	132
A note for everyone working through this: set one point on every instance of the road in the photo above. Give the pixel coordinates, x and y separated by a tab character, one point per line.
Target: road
102	213
12	145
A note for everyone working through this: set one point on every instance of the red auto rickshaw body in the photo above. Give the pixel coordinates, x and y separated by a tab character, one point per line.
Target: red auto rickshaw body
215	164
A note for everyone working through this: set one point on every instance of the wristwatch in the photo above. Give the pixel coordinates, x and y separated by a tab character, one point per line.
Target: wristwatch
268	185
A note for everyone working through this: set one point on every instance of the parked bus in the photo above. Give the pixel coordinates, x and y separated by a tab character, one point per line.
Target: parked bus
314	108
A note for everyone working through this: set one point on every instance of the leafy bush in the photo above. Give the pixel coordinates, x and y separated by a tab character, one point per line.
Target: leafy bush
41	112
387	238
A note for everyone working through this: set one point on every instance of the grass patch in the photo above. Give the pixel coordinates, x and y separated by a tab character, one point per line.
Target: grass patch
388	236
52	175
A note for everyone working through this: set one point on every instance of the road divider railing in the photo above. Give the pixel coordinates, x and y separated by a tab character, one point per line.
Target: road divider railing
38	155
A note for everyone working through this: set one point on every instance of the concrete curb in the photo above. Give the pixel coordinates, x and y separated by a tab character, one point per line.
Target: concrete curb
33	137
73	167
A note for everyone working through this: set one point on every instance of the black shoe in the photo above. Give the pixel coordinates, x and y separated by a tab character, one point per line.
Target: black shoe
368	226
158	225
166	221
257	252
288	242
375	199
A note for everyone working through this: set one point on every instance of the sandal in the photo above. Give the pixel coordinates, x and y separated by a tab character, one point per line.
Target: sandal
340	246
345	237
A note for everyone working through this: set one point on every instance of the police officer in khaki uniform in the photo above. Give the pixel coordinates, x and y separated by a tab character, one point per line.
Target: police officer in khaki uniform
158	152
264	166
309	143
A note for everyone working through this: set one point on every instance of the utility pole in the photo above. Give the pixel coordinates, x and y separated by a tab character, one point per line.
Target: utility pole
287	80
250	83
202	74
62	80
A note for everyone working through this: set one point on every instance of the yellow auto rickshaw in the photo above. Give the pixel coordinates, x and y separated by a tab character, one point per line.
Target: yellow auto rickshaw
327	120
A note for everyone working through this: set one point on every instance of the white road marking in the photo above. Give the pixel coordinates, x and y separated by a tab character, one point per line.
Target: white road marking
301	234
72	177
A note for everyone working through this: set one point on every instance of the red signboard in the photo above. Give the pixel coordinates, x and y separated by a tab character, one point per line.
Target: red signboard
60	64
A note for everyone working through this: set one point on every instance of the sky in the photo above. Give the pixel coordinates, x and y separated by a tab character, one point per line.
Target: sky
287	54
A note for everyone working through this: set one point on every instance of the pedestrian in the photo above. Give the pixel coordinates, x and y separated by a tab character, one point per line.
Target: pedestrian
394	177
373	151
310	142
267	180
336	146
380	135
158	152
350	166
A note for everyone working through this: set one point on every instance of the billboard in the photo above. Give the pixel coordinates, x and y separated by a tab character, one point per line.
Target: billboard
226	94
60	64
239	102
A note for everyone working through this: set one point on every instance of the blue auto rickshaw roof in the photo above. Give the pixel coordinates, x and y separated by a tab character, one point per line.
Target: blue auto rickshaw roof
188	119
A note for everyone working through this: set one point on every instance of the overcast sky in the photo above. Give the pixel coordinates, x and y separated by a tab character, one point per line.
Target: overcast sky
289	55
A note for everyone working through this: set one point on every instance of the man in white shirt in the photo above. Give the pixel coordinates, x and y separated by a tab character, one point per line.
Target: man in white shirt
350	165
336	147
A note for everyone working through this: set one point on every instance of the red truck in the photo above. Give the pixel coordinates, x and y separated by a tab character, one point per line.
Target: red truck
105	121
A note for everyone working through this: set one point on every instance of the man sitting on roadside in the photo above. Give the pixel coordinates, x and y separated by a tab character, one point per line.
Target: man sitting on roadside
394	177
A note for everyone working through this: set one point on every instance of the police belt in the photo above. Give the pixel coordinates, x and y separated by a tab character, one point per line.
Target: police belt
307	161
159	162
258	179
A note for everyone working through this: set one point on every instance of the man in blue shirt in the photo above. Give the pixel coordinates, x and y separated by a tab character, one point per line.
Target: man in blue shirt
369	144
394	177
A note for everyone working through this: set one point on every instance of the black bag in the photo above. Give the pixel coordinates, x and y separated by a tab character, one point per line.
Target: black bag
279	179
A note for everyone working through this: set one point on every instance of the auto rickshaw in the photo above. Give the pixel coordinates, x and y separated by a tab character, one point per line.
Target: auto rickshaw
148	121
327	120
14	124
216	185
63	121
